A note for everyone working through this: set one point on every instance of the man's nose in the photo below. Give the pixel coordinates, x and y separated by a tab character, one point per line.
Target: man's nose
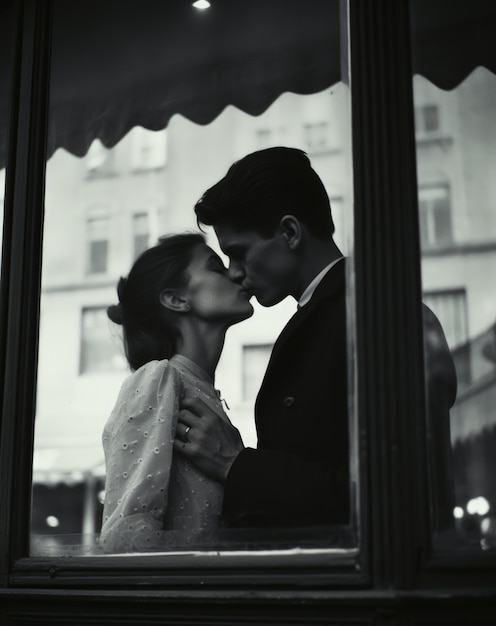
236	272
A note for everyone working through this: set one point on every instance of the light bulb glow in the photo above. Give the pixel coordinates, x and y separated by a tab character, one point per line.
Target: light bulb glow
201	5
458	512
478	506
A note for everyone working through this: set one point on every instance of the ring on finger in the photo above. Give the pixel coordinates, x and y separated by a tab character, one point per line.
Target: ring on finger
188	428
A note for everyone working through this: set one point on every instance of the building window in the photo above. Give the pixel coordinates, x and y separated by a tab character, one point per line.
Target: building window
100	348
141	233
427	119
97	229
435	216
316	136
99	161
149	149
255	360
451	309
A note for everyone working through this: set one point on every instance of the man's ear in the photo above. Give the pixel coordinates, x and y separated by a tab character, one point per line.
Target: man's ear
290	228
172	300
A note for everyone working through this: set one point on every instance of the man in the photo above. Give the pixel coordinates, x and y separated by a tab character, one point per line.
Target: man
272	217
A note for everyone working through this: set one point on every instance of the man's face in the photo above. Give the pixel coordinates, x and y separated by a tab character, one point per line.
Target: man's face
263	267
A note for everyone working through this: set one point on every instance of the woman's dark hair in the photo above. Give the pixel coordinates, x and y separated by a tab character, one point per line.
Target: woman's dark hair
262	187
147	335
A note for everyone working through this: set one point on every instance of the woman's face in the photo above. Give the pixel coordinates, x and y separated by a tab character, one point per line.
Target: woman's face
210	292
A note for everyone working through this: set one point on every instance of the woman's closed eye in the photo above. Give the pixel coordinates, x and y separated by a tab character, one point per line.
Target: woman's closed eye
216	265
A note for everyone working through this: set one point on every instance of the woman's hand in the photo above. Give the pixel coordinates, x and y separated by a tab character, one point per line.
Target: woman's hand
209	443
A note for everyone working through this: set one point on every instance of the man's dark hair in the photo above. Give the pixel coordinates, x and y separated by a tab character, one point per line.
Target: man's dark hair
264	186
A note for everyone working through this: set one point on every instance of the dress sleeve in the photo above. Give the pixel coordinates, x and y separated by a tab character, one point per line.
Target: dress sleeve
138	446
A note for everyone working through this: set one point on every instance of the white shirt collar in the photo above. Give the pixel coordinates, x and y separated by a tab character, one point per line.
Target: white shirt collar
309	291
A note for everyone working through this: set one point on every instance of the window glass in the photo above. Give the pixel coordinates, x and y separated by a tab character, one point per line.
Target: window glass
456	161
97	229
255	361
141	231
106	206
99	161
100	352
435	216
150	148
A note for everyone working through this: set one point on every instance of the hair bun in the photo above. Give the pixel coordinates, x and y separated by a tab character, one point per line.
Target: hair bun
114	313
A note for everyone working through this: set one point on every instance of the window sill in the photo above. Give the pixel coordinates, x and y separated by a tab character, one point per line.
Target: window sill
231	561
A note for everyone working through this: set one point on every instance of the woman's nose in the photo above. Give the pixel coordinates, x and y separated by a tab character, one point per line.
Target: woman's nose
236	272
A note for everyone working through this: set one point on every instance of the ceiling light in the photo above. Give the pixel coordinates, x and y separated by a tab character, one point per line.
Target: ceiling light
201	5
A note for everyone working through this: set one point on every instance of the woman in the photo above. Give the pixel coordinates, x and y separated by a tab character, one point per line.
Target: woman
175	308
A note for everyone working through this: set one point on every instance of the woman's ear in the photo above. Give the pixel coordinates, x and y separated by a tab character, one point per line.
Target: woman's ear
290	228
172	300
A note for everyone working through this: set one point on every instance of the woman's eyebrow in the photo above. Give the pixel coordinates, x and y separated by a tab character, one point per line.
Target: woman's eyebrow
214	259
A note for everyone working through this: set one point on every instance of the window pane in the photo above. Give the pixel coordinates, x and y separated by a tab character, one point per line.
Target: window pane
97	230
102	210
150	148
99	161
100	352
255	361
141	231
456	159
431	118
435	216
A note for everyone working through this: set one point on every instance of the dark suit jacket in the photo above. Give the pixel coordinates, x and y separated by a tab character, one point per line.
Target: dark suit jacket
299	473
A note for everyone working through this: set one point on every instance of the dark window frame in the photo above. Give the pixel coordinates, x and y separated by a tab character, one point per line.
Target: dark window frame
396	565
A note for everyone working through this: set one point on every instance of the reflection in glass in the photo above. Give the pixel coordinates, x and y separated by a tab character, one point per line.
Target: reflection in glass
94	228
102	210
456	157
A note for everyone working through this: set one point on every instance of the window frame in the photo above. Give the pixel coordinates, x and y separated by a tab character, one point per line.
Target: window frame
395	551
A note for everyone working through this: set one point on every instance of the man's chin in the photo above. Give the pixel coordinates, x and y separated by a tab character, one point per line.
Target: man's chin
267	301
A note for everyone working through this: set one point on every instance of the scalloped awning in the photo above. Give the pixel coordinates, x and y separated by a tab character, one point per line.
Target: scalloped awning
117	63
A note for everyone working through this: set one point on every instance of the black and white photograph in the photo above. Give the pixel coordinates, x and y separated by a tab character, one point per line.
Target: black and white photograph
248	314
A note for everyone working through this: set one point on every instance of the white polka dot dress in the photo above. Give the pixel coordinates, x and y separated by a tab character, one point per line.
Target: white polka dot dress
155	499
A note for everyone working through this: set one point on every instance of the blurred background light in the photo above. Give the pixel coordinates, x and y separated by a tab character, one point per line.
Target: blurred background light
201	5
478	506
52	521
